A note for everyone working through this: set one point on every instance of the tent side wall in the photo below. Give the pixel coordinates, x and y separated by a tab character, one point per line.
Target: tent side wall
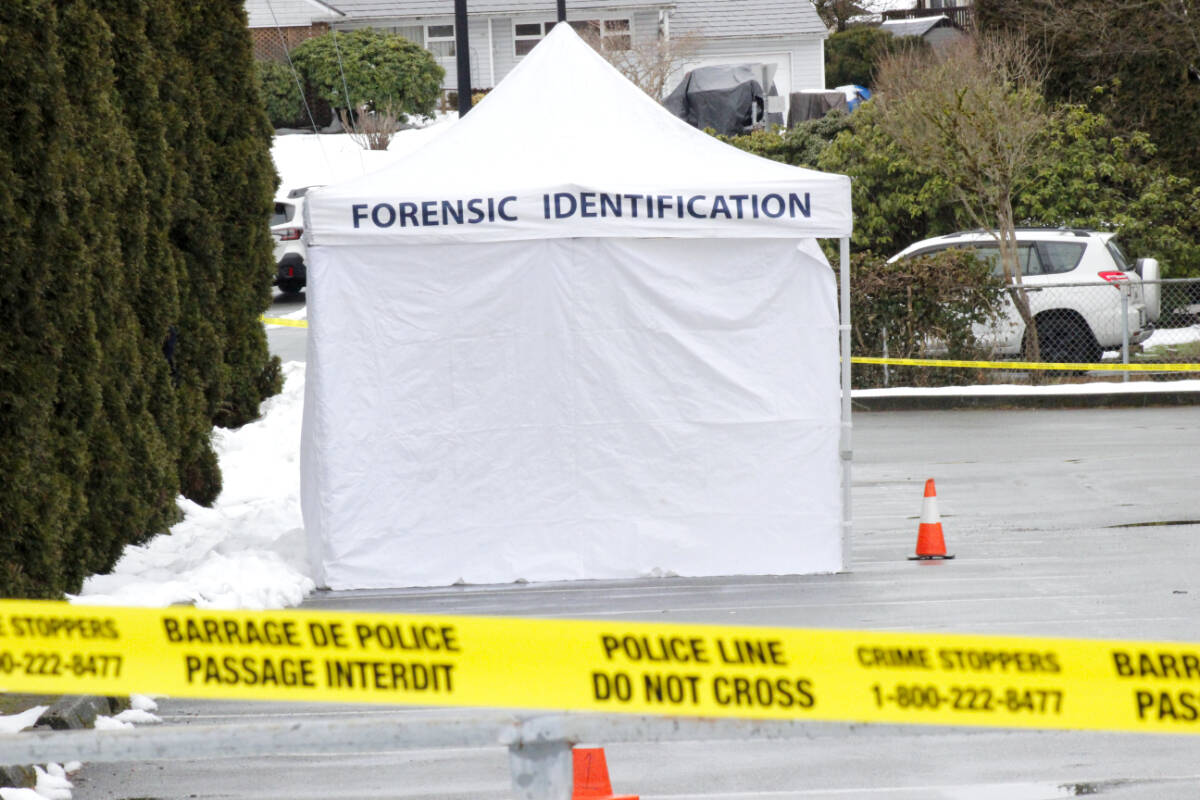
571	408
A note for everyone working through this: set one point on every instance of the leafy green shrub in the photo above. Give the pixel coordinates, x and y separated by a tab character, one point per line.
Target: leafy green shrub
280	93
1088	178
895	203
800	146
381	70
923	307
1095	179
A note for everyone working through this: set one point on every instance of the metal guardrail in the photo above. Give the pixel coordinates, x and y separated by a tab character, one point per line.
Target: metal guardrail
539	747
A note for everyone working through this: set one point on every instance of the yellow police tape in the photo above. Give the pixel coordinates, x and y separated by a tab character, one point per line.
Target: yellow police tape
291	323
642	668
933	362
1022	365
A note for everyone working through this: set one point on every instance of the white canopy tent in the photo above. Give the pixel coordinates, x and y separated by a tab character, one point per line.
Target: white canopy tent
574	337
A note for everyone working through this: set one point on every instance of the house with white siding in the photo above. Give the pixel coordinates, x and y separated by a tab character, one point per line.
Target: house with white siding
786	33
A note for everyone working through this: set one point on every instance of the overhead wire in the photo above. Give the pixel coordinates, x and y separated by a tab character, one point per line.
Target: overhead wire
349	108
299	85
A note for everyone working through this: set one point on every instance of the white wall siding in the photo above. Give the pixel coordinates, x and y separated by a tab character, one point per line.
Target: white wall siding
807	56
808	65
477	35
643	24
645	27
801	55
481	61
502	41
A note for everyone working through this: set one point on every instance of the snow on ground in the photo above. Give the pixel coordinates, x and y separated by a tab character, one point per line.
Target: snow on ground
1164	338
1098	387
248	550
52	784
19	722
126	719
1172	336
307	159
142	702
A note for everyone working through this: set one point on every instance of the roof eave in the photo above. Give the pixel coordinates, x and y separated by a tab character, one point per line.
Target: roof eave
323	6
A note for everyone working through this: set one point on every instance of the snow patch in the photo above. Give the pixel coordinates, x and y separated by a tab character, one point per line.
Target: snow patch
19	722
321	159
104	723
20	794
142	702
52	783
1100	387
137	716
248	550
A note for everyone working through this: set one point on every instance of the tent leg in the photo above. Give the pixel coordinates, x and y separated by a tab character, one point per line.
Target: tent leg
845	448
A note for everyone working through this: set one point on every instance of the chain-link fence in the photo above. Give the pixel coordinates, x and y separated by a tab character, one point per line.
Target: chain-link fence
1121	320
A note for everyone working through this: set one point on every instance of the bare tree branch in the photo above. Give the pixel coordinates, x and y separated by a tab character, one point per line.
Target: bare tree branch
837	13
974	115
647	64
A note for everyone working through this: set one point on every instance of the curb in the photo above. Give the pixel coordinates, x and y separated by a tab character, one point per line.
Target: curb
940	401
68	713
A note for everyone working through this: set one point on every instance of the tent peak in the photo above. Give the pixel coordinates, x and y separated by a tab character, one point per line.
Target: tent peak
566	146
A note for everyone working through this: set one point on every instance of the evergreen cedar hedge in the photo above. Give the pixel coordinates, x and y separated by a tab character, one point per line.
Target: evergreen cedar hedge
135	188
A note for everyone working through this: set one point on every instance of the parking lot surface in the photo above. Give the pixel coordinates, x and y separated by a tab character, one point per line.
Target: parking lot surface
1072	523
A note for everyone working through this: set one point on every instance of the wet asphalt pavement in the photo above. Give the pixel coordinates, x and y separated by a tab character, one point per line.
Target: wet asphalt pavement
1080	523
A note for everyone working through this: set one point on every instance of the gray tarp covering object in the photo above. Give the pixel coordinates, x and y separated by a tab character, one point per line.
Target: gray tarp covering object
814	105
727	98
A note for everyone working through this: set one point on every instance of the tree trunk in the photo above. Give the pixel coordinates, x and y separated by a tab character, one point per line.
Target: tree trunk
1009	260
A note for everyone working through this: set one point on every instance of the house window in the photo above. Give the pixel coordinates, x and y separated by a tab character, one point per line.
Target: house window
616	35
588	29
610	34
414	33
528	34
439	40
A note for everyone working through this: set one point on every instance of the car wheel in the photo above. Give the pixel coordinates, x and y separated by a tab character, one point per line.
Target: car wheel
1066	339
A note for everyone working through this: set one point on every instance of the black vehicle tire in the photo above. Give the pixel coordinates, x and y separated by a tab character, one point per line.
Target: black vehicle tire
1065	338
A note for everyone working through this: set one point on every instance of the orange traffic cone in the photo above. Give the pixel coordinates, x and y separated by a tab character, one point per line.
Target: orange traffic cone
591	776
930	544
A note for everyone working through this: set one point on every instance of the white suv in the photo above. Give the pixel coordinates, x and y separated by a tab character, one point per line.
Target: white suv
287	229
1074	281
